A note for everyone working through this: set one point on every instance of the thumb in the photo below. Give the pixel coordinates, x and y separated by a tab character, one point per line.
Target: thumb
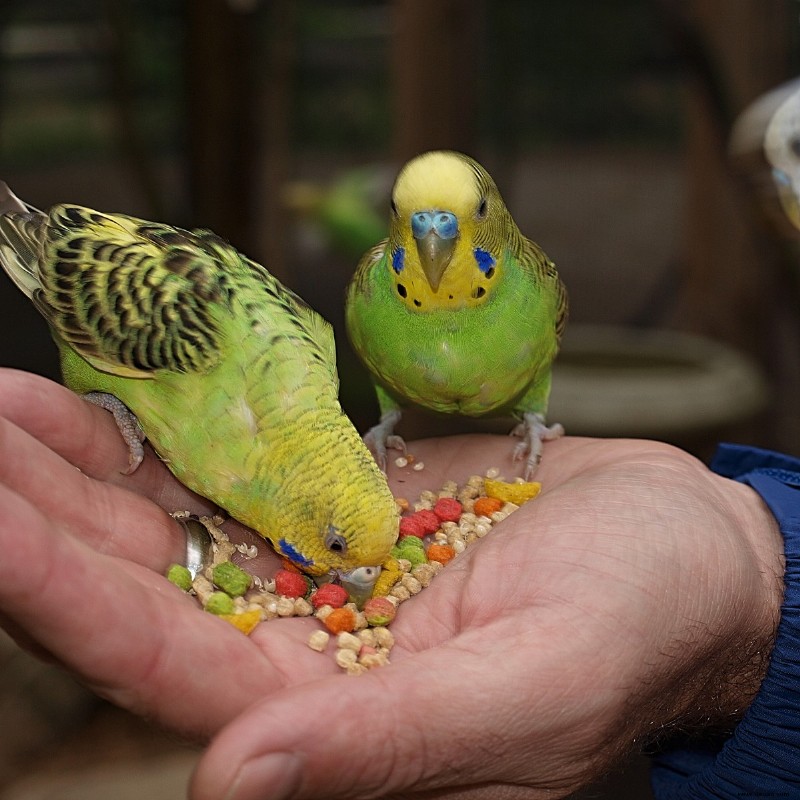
393	732
341	736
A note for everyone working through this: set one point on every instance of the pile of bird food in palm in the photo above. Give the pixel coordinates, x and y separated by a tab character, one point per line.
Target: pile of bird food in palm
434	531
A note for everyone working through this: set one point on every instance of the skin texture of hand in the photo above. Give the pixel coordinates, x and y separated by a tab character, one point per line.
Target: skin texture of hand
638	592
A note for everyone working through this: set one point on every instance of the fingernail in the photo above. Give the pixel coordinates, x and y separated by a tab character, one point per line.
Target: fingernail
273	777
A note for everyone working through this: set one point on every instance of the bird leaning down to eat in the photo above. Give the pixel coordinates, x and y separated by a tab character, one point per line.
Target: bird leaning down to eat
230	376
457	312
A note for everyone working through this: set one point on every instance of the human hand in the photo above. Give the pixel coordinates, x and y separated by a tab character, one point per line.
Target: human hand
590	617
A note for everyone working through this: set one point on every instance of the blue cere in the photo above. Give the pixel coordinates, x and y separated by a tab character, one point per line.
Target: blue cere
443	223
398	259
293	555
484	259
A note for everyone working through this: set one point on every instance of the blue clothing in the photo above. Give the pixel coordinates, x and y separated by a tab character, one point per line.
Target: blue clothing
762	757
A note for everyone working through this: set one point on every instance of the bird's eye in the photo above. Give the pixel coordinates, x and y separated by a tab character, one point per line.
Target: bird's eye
335	542
393	206
794	145
482	209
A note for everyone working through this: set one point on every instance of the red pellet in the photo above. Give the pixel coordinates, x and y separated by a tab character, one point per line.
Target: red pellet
329	594
429	521
448	509
411	526
290	584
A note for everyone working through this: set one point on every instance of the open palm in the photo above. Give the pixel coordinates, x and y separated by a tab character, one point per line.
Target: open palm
598	612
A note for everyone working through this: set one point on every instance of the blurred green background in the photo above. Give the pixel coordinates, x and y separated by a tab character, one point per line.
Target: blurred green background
280	126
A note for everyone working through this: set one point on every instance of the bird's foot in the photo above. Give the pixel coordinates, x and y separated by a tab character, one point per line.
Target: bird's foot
128	426
380	438
533	431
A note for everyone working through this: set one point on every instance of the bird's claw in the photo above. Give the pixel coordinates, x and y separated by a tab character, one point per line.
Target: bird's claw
533	433
127	424
381	437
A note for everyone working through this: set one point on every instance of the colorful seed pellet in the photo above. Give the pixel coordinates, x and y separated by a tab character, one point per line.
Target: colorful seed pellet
443	553
517	493
340	620
291	584
486	506
441	526
448	509
330	594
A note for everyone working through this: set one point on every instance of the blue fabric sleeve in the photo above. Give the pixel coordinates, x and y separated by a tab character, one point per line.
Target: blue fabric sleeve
762	757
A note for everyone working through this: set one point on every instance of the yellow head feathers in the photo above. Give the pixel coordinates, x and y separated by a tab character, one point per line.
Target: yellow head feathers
449	233
439	179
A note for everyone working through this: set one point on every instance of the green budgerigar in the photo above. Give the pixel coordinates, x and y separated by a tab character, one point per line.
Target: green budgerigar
457	312
229	375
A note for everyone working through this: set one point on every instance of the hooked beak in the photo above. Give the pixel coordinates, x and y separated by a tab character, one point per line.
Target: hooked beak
436	234
359	582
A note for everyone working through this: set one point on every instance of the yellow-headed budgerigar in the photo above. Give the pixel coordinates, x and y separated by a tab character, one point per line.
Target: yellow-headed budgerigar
229	375
457	312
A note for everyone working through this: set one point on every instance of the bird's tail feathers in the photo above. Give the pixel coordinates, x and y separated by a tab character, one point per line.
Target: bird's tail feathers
19	225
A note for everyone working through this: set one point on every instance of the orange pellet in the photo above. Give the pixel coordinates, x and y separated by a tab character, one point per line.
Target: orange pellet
340	620
486	506
441	553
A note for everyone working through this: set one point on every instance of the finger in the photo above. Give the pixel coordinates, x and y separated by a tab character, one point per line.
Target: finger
107	518
127	632
87	437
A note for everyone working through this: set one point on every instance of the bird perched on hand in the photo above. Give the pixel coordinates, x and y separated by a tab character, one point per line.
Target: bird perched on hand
230	375
457	312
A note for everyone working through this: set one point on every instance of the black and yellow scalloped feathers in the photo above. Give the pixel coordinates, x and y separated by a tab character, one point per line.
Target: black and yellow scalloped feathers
130	296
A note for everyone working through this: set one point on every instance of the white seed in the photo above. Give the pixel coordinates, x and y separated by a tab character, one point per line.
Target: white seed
302	608
384	637
372	660
285	607
423	573
400	592
492	473
459	546
318	640
401	462
419	466
346	641
344	658
367	637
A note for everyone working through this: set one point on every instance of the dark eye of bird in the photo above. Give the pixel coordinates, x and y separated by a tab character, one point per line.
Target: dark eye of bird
794	144
482	208
401	290
335	542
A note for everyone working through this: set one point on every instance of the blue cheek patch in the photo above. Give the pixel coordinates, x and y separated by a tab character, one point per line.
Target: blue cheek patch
484	259
293	555
398	259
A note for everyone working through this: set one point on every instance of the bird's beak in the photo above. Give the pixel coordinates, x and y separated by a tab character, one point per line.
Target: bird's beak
436	234
359	582
434	256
